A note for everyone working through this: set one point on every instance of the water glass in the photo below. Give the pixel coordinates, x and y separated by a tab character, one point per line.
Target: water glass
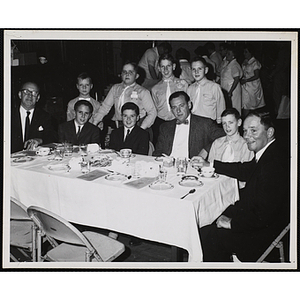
181	165
83	149
162	174
85	167
68	149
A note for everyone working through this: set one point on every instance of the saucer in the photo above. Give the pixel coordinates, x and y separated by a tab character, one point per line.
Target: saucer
161	186
215	176
23	159
190	181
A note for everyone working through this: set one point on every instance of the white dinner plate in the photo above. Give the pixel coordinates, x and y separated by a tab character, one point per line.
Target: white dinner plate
58	167
115	177
161	186
23	159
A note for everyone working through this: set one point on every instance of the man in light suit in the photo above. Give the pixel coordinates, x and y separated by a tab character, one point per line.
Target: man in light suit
79	130
39	127
249	226
187	135
130	135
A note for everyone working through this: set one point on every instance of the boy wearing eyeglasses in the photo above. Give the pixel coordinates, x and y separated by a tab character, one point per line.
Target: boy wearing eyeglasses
128	91
84	86
30	125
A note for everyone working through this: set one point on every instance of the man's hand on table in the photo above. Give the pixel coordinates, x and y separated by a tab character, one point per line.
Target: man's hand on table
32	144
223	222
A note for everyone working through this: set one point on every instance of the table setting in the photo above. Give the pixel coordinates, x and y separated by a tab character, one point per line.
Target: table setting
144	196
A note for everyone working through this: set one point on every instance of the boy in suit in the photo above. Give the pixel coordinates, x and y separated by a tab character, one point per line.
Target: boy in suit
79	130
31	126
130	135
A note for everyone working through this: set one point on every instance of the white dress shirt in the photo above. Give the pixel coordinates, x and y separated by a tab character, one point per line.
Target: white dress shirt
23	115
181	140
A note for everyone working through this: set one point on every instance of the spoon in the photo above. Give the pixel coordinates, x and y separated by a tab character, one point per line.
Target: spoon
190	192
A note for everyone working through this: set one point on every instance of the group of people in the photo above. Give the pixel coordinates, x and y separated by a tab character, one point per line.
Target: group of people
183	118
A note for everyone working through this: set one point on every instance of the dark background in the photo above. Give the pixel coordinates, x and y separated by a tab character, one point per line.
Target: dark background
103	60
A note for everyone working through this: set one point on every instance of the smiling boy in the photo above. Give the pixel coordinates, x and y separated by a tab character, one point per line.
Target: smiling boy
84	86
206	95
80	130
232	147
130	136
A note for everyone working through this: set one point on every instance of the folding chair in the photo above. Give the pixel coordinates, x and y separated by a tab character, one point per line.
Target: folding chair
22	233
278	244
71	244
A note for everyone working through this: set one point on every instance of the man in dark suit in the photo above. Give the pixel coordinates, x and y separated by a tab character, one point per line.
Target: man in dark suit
30	126
187	135
79	130
130	136
249	226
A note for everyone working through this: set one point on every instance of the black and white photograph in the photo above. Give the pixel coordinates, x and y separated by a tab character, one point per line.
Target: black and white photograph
150	149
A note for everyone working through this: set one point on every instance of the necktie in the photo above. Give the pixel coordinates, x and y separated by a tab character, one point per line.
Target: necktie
122	97
27	125
185	122
168	94
127	134
197	99
78	131
228	153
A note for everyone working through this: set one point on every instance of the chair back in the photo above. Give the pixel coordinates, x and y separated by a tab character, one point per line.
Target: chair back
151	148
58	228
18	210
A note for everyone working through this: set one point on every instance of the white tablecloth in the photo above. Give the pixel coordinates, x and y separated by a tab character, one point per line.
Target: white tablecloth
149	214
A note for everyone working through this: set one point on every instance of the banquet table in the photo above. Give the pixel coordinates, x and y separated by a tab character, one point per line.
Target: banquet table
121	205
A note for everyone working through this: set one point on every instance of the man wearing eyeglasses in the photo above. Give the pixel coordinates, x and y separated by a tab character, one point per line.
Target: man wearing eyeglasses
30	126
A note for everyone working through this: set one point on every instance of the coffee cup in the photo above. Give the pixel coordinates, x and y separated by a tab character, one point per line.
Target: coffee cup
207	171
125	153
43	151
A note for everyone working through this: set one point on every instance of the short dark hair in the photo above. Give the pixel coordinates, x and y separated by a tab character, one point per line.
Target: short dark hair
166	46
231	111
233	49
179	94
199	58
129	62
84	75
84	102
132	106
182	53
265	118
166	56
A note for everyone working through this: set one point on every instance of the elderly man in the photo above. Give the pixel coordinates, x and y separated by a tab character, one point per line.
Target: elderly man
187	135
30	125
249	226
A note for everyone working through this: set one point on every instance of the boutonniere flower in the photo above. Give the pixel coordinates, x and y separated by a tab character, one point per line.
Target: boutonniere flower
41	128
134	95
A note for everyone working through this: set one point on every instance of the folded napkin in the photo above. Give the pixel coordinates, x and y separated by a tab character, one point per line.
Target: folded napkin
93	148
75	163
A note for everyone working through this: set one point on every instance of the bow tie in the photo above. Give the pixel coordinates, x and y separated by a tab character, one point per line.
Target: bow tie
185	122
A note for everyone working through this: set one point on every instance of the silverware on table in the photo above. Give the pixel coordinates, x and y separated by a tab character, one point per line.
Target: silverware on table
190	192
